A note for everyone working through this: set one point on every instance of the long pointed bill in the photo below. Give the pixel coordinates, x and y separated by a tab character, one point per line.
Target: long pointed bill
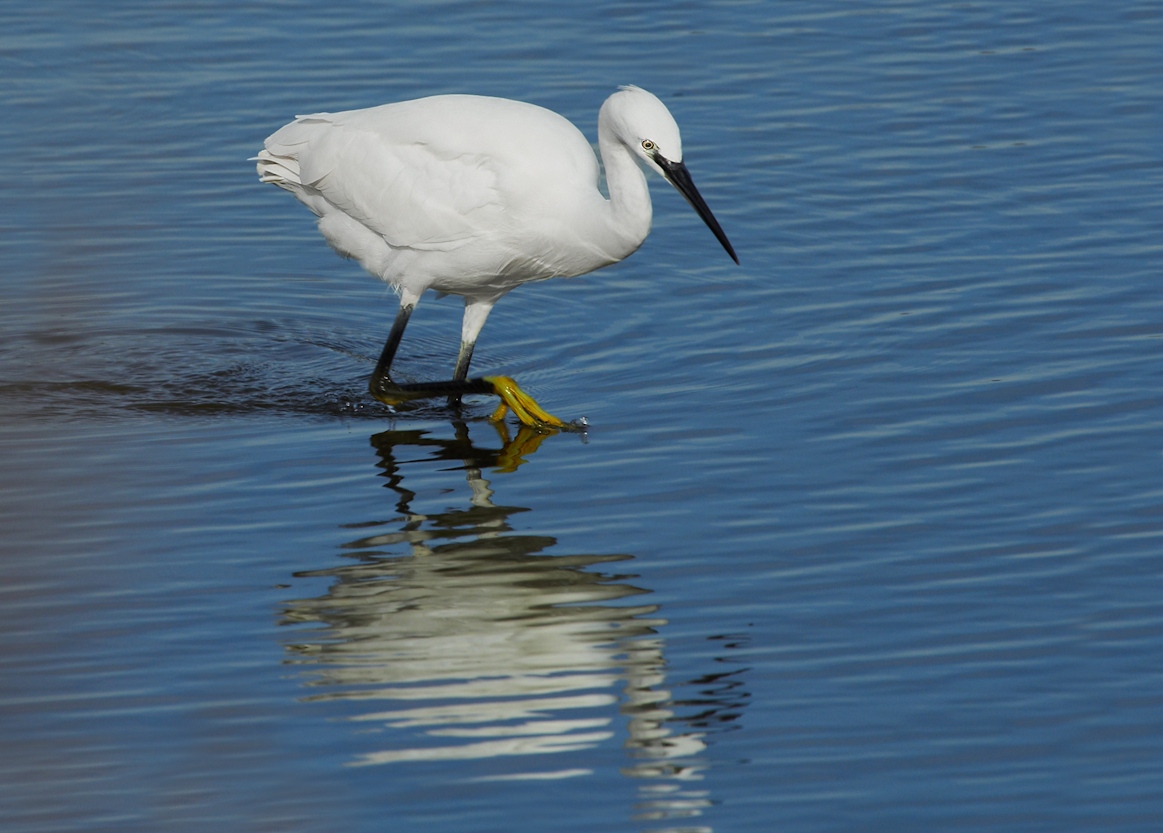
677	175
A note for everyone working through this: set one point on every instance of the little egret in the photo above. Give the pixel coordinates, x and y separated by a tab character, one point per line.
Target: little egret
473	196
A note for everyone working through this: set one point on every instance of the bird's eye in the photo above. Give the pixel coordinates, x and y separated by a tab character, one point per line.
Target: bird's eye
647	144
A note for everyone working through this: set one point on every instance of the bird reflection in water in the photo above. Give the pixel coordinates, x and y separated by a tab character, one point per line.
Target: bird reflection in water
462	640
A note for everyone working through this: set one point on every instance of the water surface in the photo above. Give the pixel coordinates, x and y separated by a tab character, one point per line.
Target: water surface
865	533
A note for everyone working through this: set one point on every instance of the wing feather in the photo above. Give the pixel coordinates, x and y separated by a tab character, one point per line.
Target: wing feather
413	190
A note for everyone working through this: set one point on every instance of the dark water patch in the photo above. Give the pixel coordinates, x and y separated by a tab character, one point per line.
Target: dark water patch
266	366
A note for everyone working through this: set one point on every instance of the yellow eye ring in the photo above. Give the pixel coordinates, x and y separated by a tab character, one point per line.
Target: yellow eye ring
647	144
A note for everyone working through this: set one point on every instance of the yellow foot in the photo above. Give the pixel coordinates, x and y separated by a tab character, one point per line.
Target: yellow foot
523	405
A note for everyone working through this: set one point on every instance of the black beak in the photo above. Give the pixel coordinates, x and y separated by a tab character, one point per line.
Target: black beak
677	175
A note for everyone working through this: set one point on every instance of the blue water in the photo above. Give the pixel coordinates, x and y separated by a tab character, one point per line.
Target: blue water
866	532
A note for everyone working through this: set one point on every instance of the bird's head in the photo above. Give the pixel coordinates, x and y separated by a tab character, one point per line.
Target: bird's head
645	126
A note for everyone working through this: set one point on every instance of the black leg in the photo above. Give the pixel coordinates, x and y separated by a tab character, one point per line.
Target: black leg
383	388
462	361
384	365
512	397
461	373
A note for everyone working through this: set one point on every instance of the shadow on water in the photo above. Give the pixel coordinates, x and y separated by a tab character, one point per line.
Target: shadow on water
267	367
454	637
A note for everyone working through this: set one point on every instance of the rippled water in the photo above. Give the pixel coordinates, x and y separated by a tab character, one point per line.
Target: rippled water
865	533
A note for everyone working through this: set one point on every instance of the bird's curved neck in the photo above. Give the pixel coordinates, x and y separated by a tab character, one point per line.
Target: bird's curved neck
630	209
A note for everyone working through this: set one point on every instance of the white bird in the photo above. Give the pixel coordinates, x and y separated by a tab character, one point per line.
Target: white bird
472	196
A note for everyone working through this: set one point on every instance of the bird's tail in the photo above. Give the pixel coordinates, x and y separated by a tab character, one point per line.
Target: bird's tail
282	171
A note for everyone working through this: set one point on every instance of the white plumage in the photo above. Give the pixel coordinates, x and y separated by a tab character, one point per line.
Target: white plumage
472	196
